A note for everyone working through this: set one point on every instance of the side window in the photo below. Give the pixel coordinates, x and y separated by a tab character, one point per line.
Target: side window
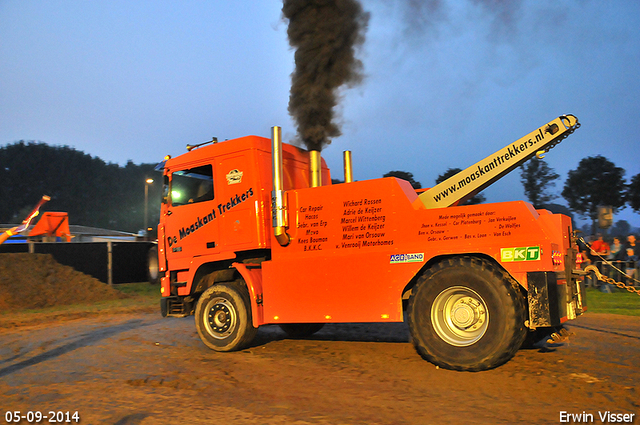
192	185
165	189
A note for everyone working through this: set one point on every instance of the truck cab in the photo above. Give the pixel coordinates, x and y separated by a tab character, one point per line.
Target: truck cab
216	210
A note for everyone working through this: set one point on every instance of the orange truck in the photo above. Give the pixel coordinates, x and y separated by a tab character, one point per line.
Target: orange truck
252	233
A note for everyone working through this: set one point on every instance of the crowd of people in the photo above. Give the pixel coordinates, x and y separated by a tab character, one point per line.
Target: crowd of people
611	256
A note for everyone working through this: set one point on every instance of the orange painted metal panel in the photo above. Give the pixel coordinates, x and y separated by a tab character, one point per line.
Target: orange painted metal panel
238	218
52	224
252	275
356	246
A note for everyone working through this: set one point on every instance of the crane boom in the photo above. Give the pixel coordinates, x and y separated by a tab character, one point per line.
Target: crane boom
472	180
25	223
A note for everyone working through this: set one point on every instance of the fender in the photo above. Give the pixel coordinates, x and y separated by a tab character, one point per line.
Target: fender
192	268
252	275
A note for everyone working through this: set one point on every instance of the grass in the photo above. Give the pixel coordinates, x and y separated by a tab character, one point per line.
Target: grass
142	289
139	296
619	302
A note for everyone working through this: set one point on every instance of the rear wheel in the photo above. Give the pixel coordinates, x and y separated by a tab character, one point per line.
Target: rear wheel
466	314
223	317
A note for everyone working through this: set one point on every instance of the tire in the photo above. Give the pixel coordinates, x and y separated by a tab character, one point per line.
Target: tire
223	317
153	266
301	330
466	314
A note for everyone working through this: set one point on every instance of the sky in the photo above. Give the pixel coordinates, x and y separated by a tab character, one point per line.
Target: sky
447	82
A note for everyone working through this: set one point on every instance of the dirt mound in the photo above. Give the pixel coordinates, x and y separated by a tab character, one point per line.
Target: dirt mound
30	281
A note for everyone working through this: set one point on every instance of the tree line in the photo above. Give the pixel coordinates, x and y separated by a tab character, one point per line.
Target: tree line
595	182
107	195
93	192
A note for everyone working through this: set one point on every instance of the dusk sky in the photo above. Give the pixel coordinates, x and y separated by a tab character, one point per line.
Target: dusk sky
445	86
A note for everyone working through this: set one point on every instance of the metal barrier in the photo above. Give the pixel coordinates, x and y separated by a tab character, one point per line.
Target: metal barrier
621	271
109	262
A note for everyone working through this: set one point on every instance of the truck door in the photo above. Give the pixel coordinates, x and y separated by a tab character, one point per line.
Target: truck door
191	228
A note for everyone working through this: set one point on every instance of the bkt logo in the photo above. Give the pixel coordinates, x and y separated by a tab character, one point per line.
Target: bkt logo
529	253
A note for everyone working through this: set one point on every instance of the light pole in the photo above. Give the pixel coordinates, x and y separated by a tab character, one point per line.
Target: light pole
147	182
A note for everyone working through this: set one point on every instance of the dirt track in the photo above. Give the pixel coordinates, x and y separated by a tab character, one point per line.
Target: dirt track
142	369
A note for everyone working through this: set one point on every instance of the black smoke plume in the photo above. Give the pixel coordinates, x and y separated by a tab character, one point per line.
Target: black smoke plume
421	16
325	35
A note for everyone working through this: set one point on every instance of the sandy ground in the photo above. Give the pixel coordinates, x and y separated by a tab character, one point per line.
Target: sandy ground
143	369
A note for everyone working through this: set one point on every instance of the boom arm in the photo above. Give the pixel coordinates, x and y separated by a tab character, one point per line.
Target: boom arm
25	223
472	180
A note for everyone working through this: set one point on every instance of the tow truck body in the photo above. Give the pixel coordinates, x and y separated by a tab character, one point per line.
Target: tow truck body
243	215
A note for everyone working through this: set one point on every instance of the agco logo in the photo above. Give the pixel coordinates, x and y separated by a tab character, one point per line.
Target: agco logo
406	258
528	253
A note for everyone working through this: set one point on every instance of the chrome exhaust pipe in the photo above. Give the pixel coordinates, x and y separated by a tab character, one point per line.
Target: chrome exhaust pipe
278	195
315	167
348	167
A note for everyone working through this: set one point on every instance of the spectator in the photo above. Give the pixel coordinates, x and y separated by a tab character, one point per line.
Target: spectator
615	250
632	251
600	247
582	261
616	258
631	244
599	252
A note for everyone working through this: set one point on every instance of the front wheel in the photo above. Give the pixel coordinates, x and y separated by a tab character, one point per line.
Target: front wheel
466	314
223	317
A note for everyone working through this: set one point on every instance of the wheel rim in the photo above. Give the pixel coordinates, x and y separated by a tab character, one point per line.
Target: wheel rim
221	318
460	316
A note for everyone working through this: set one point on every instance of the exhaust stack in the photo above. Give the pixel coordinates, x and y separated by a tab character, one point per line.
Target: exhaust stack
348	167
278	195
315	166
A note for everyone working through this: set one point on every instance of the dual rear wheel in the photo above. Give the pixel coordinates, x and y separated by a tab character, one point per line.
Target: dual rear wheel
466	314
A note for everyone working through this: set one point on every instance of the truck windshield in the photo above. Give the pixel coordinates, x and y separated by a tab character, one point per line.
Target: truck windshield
192	185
